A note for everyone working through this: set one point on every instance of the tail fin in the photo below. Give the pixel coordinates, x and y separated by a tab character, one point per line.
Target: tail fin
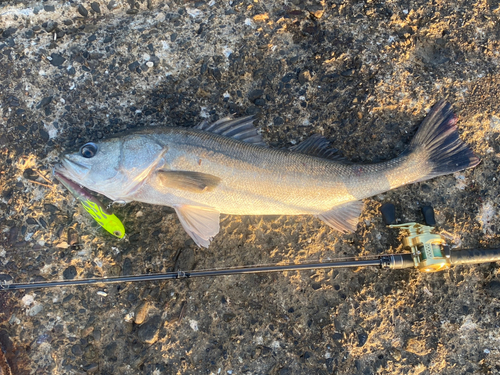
438	138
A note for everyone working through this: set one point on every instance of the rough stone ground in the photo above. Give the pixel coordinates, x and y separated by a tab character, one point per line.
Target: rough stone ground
362	73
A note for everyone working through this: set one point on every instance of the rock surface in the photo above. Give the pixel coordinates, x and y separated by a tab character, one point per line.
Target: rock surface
363	74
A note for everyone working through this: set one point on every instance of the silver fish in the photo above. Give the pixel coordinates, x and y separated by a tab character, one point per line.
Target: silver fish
225	167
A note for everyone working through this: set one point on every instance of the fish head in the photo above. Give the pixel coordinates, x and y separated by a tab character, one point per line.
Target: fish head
115	167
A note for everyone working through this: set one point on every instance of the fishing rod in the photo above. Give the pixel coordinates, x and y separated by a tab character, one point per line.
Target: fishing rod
429	252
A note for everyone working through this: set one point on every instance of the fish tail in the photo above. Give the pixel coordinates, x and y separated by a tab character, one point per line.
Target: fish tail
438	142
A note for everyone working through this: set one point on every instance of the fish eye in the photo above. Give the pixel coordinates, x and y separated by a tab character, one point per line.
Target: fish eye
88	150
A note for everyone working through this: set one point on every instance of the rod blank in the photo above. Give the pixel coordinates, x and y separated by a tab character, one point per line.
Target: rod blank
190	274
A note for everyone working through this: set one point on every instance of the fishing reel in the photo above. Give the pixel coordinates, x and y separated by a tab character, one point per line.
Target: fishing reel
429	251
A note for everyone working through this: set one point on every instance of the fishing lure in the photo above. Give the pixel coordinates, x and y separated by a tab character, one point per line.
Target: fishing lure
94	207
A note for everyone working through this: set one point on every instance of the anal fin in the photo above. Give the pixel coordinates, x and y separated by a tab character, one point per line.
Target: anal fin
343	218
201	223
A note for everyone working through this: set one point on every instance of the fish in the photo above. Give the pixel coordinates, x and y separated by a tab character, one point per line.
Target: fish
225	167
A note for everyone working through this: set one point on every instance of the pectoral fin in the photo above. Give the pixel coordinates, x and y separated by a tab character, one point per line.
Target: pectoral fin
201	223
195	182
343	218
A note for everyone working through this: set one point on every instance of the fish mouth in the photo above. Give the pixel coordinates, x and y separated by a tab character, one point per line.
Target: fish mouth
78	191
56	172
74	188
71	170
69	173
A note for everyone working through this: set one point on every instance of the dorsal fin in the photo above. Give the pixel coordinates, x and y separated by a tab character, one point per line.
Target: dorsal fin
319	146
241	129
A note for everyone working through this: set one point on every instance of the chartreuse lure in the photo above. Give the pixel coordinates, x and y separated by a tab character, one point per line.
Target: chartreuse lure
94	207
106	220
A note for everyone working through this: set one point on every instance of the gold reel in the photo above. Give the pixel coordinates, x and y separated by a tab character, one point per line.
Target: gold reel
429	251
